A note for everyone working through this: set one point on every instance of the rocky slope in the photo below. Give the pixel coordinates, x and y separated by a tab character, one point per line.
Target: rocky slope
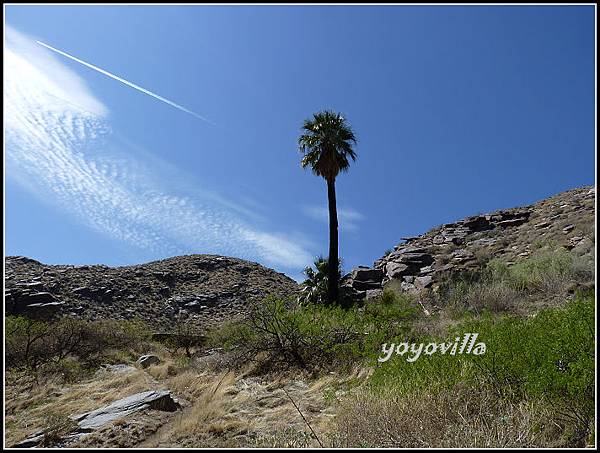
566	220
203	289
207	289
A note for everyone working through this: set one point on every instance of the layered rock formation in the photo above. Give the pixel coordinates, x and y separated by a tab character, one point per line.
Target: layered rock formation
424	261
202	289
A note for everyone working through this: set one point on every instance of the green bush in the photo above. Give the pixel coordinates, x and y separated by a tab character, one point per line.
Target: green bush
185	336
549	356
32	344
543	271
277	333
498	288
281	333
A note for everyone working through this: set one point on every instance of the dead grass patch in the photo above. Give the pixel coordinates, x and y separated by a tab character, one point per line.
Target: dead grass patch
28	406
461	417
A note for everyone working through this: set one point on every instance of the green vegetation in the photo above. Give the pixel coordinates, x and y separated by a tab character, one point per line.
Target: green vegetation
185	336
327	144
547	276
534	386
283	334
315	287
67	346
546	361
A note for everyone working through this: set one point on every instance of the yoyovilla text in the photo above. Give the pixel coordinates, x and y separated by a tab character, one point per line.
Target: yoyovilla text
413	351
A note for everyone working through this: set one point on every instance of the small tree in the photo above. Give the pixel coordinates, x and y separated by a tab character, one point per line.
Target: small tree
185	336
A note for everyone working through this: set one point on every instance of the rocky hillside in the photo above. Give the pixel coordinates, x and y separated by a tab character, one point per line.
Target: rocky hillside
203	289
566	220
207	289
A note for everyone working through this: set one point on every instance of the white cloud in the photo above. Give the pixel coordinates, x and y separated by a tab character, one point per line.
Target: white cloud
59	146
348	218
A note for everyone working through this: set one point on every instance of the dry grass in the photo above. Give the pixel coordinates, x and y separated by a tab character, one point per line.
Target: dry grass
219	408
450	419
28	404
209	405
240	410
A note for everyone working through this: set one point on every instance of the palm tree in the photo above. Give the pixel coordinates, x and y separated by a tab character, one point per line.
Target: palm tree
326	143
314	288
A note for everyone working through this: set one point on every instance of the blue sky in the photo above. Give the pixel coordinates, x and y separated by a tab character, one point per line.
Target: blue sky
457	110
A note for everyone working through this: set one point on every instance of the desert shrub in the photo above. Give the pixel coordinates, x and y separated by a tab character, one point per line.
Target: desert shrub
545	244
484	296
482	255
280	333
520	353
69	369
185	336
57	427
24	341
546	272
308	336
497	288
583	268
387	317
277	333
548	357
32	344
133	334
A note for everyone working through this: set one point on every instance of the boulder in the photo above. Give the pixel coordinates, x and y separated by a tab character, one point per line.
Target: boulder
49	308
153	399
478	223
367	274
510	223
396	270
411	257
364	278
34	285
83	291
146	360
426	270
509	218
541	225
462	255
423	282
348	292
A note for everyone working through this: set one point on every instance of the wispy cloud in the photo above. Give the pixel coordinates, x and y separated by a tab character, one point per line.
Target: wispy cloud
348	218
59	145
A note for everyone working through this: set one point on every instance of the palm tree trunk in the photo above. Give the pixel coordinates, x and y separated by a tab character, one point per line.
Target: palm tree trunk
333	262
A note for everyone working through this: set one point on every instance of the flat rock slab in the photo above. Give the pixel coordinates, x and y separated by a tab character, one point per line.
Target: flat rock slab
153	399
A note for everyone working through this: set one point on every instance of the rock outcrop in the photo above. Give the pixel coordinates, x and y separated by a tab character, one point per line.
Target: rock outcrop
424	261
201	289
156	400
160	400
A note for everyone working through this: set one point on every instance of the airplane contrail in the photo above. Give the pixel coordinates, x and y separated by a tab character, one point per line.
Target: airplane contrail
132	85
